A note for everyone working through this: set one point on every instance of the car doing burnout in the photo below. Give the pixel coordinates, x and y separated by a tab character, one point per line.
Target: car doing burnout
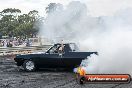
69	58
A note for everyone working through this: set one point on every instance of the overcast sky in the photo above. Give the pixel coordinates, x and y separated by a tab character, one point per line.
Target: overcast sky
96	7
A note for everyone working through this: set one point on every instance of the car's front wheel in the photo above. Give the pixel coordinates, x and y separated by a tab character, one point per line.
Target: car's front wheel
29	65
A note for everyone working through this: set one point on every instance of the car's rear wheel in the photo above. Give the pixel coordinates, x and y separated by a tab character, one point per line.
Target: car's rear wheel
29	65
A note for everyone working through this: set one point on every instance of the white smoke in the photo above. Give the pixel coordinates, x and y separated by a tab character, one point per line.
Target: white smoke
114	46
111	36
114	54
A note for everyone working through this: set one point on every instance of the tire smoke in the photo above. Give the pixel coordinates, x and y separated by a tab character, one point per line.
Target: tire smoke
110	36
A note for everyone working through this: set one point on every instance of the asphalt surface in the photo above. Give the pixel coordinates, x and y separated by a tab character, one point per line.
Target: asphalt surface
12	77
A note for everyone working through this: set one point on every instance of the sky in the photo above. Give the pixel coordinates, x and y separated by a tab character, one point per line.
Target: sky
95	7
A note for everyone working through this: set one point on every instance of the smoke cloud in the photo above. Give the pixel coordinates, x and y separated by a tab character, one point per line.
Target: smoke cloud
110	36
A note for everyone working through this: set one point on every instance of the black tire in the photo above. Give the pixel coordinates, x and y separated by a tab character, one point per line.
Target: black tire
81	80
29	65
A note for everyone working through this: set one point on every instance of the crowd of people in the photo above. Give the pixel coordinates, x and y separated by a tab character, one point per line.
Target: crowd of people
14	42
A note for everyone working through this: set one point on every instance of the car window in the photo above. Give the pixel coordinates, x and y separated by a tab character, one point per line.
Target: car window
53	50
74	47
57	49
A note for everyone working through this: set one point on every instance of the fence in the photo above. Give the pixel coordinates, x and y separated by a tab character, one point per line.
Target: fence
23	50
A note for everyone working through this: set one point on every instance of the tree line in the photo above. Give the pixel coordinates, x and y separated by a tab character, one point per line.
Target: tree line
14	23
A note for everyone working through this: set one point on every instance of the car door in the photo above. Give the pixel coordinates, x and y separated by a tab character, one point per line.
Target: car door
52	59
71	60
68	59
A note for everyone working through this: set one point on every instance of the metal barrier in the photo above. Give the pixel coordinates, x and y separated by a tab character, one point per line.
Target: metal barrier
23	50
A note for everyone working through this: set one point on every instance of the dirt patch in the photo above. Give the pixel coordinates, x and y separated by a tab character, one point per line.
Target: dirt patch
12	77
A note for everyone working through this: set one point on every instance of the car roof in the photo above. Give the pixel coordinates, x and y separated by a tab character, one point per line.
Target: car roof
64	43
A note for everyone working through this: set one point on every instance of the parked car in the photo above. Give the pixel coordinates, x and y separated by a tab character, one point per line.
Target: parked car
68	57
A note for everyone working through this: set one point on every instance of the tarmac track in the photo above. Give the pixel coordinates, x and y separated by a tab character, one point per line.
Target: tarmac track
12	77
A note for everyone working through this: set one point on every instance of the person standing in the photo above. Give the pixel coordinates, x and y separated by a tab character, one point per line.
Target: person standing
61	48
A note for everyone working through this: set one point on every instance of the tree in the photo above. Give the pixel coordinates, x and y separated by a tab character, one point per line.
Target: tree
14	24
79	11
27	24
8	20
11	11
33	13
53	7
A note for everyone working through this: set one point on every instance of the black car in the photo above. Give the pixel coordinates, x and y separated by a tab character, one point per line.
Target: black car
54	57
